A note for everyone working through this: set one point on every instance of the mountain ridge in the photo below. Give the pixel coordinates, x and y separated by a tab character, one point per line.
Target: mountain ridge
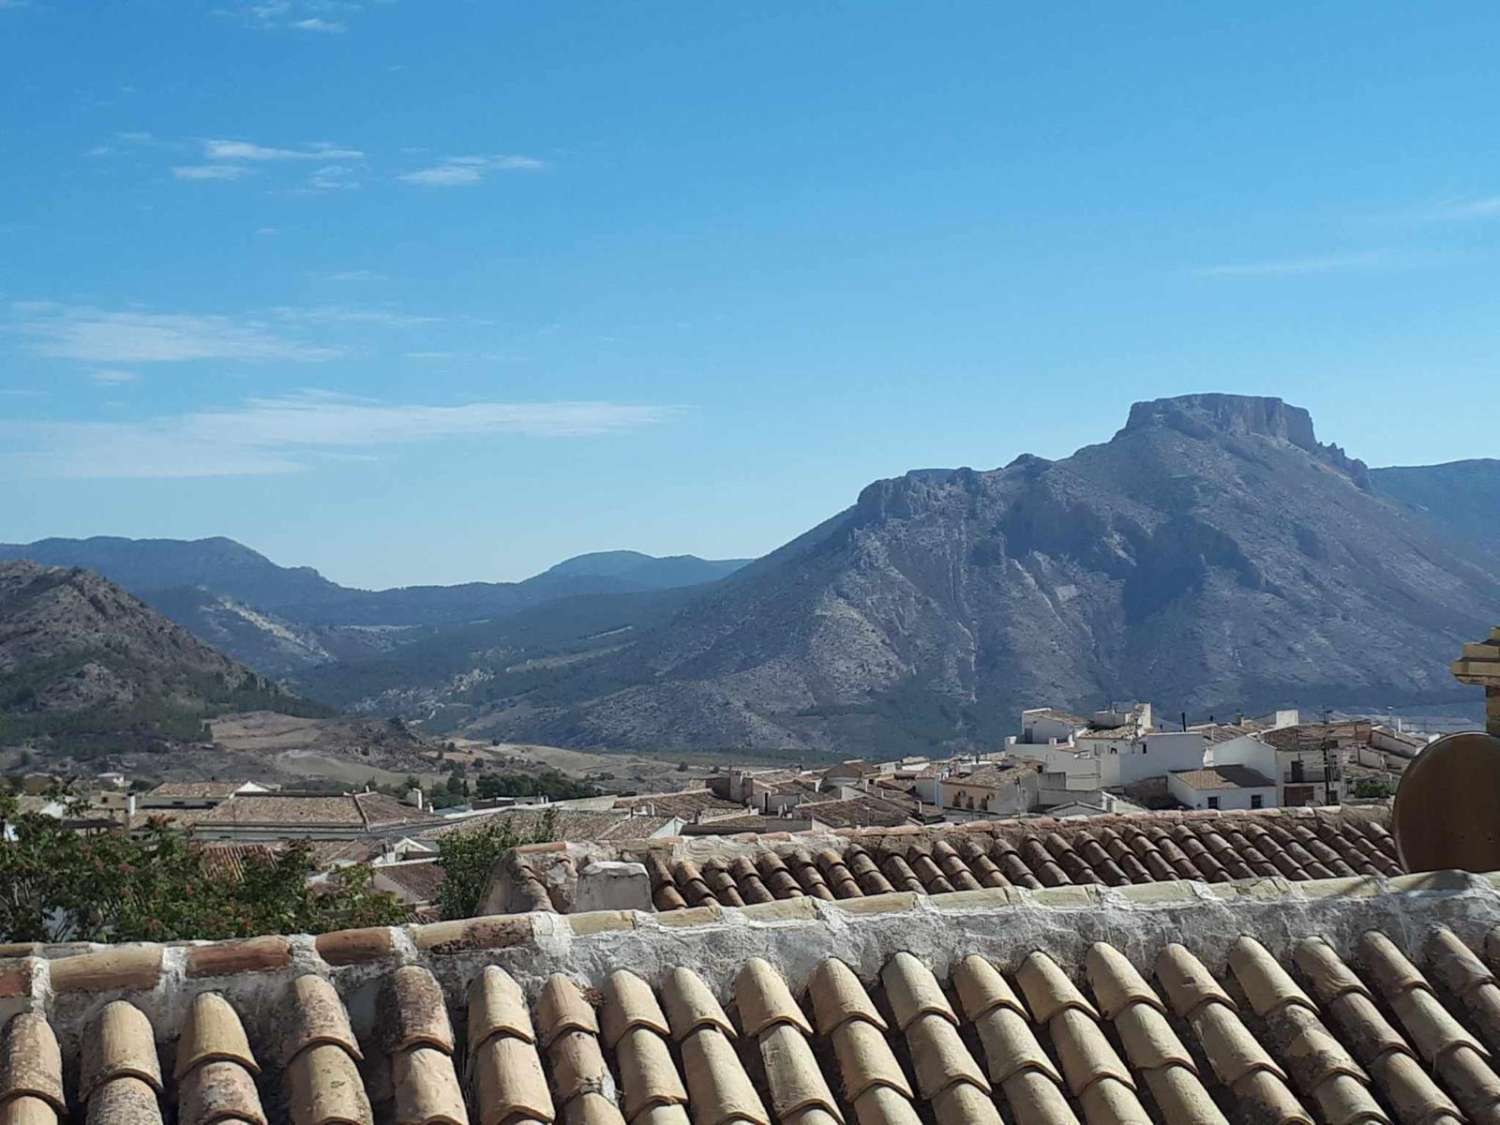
282	620
1212	554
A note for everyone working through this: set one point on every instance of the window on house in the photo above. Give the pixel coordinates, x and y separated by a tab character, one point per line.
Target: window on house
1257	801
1213	802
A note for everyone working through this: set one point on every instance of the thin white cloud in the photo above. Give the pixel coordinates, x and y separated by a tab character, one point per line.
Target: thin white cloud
326	16
101	336
356	275
110	376
345	314
218	149
210	171
332	177
1487	207
1295	267
289	434
460	171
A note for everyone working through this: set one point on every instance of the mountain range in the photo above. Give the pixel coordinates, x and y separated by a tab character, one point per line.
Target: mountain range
282	620
1212	556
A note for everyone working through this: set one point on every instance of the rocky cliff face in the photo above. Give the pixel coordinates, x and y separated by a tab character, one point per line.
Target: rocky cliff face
1212	556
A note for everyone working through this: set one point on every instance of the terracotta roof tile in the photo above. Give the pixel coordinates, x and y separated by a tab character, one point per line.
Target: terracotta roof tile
30	1062
759	1018
1113	851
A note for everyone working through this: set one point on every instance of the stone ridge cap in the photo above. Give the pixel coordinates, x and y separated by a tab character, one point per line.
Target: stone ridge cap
82	967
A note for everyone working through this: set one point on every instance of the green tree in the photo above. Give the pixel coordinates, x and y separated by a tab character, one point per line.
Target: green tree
468	859
158	885
550	783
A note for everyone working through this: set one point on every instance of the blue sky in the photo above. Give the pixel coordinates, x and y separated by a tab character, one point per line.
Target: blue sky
438	291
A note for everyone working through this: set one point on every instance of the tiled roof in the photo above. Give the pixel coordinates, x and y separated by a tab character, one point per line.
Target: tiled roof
1348	1004
332	853
1058	714
176	818
1228	776
566	824
196	790
994	776
1039	852
418	881
1312	736
855	812
227	861
348	810
1222	732
686	803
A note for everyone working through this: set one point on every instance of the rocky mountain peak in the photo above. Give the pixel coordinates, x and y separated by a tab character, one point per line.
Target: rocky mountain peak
1206	414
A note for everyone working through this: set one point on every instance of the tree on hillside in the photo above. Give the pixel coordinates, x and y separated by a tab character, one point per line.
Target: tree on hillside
158	885
468	859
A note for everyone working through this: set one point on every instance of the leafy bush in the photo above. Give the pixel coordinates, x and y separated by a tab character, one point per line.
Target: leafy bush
157	885
550	783
468	859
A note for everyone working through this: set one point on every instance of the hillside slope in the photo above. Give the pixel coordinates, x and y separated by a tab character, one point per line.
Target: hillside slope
84	662
1211	556
1460	498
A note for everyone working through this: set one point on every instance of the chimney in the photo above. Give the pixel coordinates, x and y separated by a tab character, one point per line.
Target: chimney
130	805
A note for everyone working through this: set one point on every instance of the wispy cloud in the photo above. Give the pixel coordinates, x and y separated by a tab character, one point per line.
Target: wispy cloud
355	275
235	159
1485	207
1294	267
210	171
101	336
113	377
325	16
291	433
461	171
332	177
347	314
248	150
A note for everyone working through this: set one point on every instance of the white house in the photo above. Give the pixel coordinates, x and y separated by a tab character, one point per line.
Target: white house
1222	787
1297	770
997	790
1041	725
1094	804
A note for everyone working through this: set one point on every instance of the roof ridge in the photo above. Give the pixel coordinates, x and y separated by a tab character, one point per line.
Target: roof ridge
539	926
